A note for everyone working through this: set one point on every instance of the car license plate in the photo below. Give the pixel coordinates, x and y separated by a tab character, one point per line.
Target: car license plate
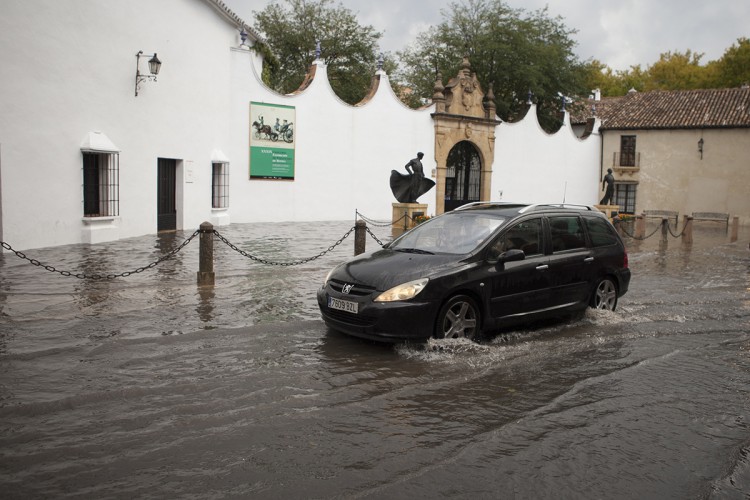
343	305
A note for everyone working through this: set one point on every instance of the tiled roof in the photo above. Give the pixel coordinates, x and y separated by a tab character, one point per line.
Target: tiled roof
238	21
677	109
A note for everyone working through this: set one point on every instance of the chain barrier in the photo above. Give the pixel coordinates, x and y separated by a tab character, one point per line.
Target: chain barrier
100	277
374	237
284	264
383	223
637	237
669	228
169	255
681	232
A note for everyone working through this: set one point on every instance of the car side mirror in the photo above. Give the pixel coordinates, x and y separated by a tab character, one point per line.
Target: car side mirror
511	256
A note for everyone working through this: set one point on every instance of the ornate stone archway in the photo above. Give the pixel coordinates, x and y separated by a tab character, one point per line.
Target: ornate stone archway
463	112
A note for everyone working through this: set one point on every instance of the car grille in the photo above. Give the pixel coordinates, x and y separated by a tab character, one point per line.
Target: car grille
357	290
348	318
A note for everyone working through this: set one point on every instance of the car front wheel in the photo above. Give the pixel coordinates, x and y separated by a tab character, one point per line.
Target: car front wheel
458	318
605	295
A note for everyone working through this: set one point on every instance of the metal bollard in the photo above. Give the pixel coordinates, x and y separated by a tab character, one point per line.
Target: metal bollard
360	237
206	255
687	232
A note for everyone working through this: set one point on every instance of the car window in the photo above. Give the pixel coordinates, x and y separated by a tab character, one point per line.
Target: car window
526	236
601	232
567	233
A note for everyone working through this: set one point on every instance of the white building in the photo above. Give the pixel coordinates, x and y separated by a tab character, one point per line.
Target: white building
85	159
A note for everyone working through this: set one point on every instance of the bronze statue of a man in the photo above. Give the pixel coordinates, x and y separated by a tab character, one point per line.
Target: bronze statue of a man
407	188
609	181
415	169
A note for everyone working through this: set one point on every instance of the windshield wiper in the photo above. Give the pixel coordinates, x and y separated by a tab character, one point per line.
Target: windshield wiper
414	250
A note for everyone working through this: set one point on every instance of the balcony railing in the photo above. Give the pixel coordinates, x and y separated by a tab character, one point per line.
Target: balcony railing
627	160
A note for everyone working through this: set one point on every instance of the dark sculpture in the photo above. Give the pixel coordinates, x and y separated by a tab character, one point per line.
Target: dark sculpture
609	180
407	188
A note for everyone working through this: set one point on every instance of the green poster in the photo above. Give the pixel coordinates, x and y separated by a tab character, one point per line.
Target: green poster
271	141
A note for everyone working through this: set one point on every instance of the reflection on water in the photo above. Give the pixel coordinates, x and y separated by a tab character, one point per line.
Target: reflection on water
166	299
150	386
205	307
37	304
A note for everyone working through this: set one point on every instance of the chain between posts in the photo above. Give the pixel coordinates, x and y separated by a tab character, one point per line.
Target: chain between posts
172	253
640	238
374	237
289	263
381	223
100	277
669	228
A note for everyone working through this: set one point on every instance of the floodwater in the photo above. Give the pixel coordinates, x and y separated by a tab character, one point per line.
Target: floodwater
149	387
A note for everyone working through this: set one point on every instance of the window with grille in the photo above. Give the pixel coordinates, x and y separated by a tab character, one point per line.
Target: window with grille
101	184
220	185
627	151
625	196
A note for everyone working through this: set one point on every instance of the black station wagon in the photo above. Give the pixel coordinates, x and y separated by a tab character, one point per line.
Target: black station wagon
477	269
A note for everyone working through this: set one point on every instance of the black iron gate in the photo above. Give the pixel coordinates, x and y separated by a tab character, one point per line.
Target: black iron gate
167	211
463	177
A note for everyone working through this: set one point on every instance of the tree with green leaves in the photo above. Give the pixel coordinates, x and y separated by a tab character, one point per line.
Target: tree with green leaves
733	69
612	83
675	71
293	30
512	50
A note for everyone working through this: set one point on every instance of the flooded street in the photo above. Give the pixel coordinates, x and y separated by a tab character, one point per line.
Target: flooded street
148	387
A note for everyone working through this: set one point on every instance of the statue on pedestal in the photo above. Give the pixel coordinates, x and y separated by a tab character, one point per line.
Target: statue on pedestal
407	188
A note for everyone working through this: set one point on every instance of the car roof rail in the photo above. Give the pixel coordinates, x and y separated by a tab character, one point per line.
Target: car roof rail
479	203
537	206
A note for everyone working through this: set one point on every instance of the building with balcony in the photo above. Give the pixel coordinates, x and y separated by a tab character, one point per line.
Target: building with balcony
681	151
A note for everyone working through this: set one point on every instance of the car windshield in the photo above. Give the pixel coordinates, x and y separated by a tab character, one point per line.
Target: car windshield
457	233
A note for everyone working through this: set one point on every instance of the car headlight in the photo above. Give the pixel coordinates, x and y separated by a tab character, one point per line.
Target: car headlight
328	277
404	291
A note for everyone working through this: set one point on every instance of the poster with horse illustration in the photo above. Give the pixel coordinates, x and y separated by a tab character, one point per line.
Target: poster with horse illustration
271	141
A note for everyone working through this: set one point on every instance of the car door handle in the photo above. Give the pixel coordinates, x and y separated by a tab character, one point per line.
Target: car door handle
588	260
543	267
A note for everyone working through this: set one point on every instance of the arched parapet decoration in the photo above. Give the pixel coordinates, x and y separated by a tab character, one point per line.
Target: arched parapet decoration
307	81
374	86
317	75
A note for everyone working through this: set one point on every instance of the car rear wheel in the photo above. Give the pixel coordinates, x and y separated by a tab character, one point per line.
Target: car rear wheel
605	295
458	318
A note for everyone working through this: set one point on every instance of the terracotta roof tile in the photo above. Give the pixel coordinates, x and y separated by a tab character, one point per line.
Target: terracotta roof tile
680	109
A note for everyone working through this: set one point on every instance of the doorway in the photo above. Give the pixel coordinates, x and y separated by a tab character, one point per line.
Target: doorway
167	193
463	178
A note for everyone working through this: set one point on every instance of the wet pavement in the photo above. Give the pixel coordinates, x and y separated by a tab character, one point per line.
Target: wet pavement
150	387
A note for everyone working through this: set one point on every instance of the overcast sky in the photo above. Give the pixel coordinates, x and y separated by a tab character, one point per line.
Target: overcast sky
619	33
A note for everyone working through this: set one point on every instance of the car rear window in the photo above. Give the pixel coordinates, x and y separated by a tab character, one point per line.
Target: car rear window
567	233
601	232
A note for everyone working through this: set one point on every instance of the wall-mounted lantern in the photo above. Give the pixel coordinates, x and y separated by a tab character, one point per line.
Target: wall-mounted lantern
154	65
700	147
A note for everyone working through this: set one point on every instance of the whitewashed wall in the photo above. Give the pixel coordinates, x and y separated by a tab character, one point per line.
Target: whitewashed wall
535	167
344	154
69	68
